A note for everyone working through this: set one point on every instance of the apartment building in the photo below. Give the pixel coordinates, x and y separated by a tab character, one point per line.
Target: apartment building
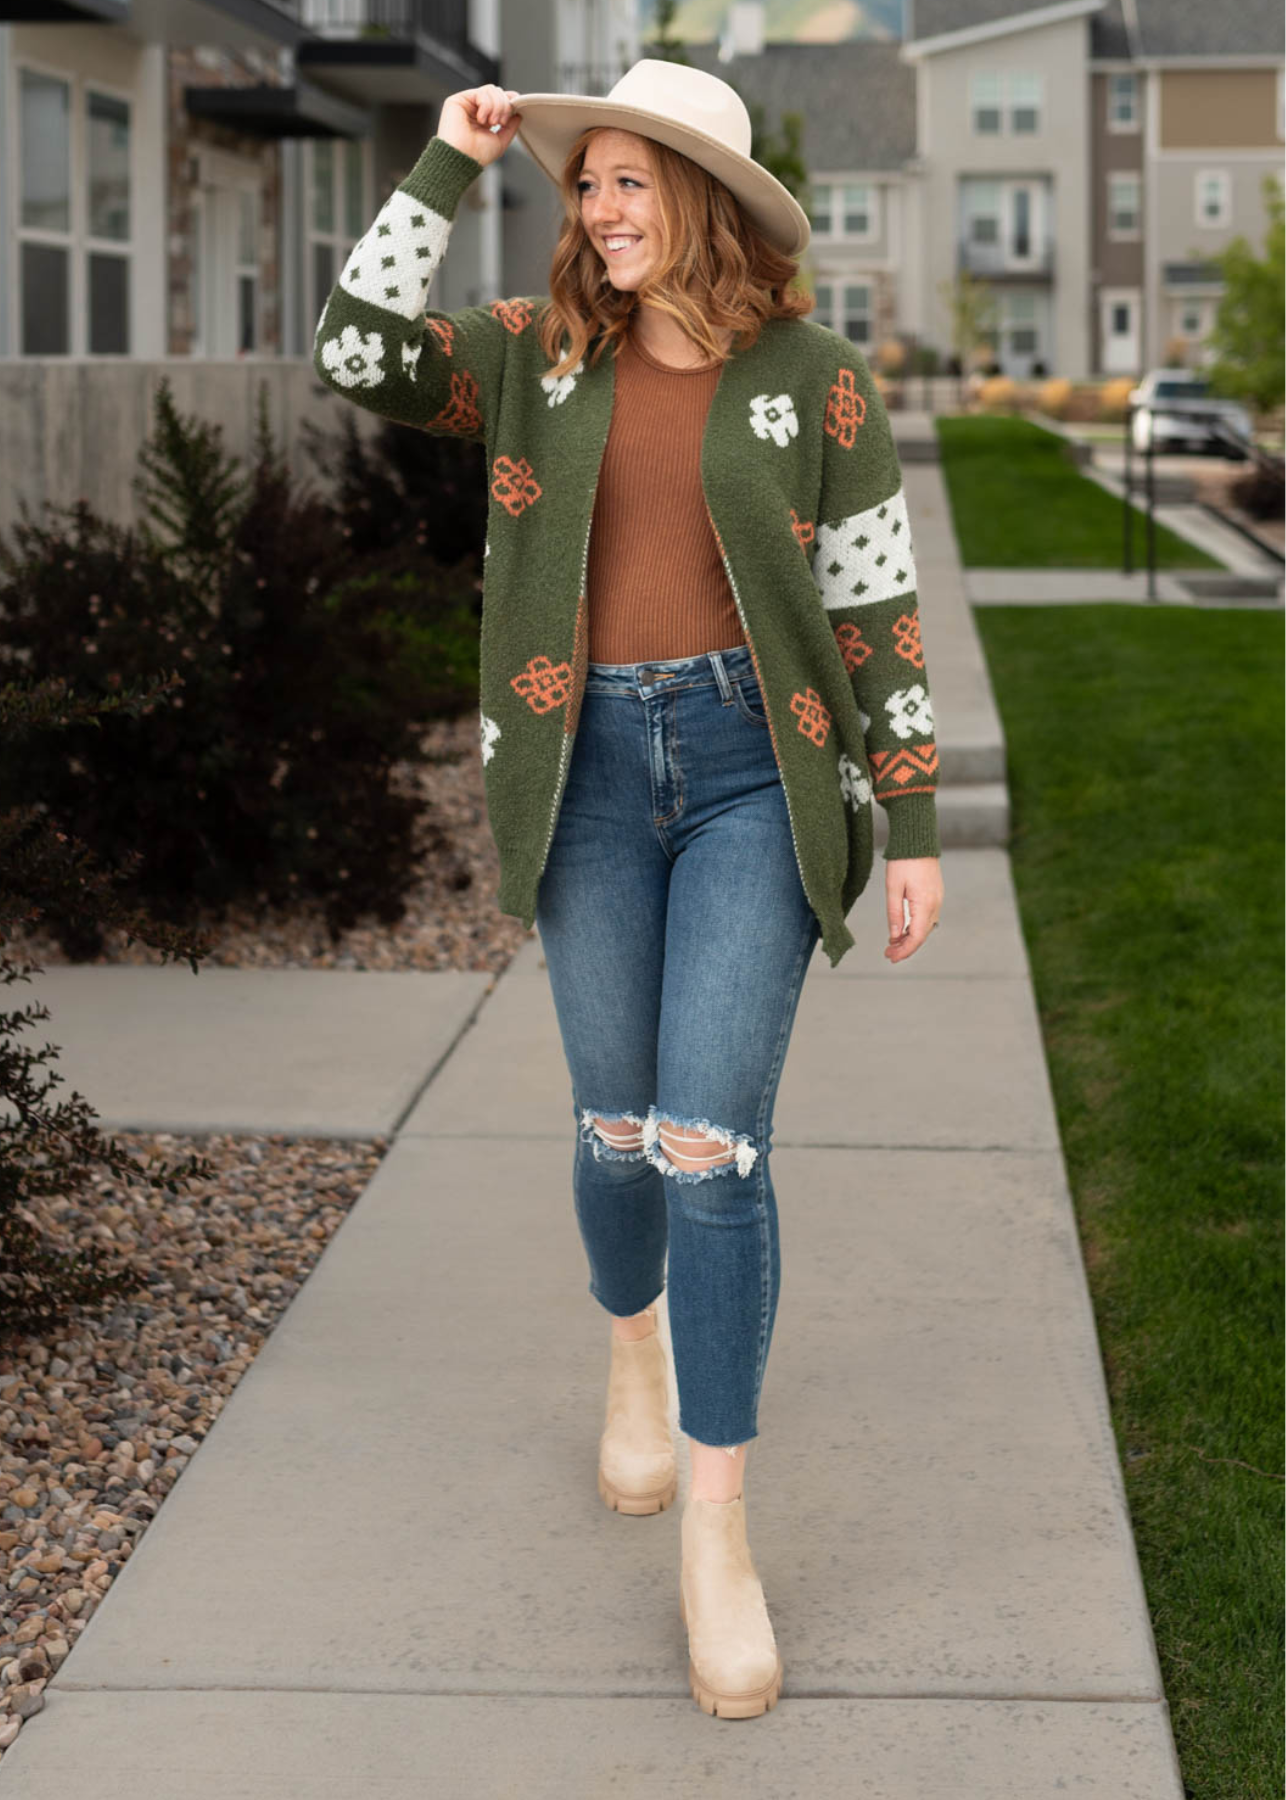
181	182
185	178
1084	158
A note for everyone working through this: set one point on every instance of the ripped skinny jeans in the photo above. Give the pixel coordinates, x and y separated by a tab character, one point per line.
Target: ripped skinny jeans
677	935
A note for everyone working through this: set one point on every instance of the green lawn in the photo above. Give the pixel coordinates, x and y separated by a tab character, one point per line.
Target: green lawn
1145	765
1019	502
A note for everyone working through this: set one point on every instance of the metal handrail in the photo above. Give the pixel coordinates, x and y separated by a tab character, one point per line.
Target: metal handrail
1218	427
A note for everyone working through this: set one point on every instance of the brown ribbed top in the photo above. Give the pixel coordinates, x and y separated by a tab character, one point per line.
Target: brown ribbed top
656	582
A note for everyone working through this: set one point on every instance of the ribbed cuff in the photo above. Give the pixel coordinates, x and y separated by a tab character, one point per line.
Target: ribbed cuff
913	826
441	176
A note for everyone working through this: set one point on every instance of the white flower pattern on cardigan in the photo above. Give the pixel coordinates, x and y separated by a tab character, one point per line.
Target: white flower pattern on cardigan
774	417
354	360
910	710
559	386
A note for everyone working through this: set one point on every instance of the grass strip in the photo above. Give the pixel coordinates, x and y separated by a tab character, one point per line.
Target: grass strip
1144	750
1019	502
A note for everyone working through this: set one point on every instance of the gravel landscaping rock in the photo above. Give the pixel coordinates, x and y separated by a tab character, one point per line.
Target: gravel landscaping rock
451	921
98	1424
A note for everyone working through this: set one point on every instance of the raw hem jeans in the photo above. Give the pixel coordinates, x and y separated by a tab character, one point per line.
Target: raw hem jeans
677	935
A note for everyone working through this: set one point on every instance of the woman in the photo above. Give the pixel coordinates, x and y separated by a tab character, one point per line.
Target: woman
680	743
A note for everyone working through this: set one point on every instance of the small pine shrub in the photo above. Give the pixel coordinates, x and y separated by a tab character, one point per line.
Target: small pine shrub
50	1148
309	670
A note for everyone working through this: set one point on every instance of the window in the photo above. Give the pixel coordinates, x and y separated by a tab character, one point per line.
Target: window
1020	324
74	231
338	212
247	270
846	210
1016	98
1181	390
1122	102
1123	206
982	212
1214	198
1122	319
986	104
108	214
1024	104
857	313
857	211
856	319
44	221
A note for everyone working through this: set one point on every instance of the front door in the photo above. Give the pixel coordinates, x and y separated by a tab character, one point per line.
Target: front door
1120	327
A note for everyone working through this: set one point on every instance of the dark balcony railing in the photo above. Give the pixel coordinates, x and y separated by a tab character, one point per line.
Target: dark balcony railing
1003	262
445	21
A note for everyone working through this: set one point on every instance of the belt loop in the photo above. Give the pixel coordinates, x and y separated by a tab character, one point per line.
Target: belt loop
720	675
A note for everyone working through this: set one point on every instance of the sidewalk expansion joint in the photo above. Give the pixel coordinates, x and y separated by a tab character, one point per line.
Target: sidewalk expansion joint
436	1069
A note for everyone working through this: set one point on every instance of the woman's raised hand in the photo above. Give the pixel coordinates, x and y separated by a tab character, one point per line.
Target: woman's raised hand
467	118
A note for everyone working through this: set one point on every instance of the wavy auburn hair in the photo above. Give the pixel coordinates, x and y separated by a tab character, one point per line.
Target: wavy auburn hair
716	271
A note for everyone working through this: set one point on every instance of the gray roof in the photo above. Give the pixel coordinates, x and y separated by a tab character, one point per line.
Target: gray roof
931	18
1198	28
857	98
1165	27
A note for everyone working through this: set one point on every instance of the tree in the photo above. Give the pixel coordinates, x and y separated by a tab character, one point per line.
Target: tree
1247	334
972	308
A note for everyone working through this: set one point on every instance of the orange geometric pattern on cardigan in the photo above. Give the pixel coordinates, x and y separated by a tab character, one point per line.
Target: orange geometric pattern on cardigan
461	411
814	720
852	646
444	331
514	484
845	409
803	530
895	770
906	639
542	684
514	315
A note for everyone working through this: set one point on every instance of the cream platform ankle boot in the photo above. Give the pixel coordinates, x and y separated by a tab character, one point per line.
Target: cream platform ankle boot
637	1471
734	1670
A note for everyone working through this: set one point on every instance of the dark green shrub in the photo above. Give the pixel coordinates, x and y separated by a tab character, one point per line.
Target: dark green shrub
49	1148
309	670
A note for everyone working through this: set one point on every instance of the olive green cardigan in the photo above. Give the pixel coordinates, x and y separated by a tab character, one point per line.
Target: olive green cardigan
802	485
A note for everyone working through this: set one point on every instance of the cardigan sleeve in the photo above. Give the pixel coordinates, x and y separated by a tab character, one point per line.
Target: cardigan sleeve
864	568
375	343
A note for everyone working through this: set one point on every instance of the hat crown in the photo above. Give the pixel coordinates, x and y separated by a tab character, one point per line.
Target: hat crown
690	97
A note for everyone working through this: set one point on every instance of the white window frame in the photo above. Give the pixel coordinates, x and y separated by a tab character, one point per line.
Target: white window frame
1118	234
831	304
1005	95
1115	124
1030	83
836	209
340	238
1224	180
76	240
987	94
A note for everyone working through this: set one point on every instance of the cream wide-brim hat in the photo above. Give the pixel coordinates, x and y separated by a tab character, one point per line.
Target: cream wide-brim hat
689	110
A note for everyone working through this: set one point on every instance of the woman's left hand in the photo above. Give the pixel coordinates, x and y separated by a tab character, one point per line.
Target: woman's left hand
918	880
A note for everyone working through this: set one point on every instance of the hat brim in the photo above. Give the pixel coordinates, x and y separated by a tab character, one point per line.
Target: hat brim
551	123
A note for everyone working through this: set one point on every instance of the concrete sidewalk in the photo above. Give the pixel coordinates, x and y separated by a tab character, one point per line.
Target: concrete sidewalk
387	1570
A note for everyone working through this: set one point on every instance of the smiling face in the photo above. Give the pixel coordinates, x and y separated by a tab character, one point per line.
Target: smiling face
618	201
